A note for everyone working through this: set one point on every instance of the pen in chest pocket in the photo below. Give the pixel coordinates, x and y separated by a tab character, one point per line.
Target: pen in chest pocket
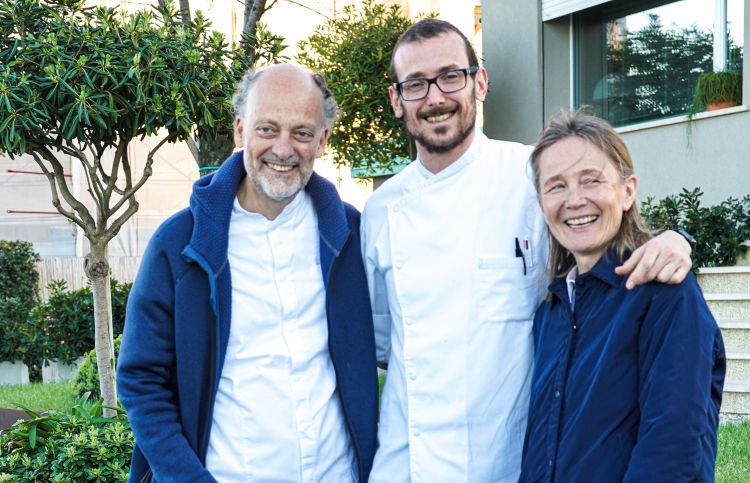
520	253
527	253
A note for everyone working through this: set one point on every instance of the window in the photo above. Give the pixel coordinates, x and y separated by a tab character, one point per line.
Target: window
638	61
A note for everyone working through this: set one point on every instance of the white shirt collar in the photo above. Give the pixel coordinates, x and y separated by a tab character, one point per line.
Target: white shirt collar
289	213
464	160
570	281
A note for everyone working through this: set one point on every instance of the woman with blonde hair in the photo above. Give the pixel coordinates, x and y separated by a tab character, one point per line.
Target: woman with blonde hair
627	383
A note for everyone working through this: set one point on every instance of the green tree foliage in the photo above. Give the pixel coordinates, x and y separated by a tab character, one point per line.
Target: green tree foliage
719	230
353	51
210	147
257	46
654	70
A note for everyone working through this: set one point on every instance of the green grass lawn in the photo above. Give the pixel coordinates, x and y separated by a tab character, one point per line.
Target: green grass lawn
38	396
732	462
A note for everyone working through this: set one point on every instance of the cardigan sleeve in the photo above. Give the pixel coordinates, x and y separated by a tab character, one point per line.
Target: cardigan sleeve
681	357
145	371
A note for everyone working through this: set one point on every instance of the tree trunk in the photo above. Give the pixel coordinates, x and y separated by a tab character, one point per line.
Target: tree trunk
185	11
254	10
97	270
210	153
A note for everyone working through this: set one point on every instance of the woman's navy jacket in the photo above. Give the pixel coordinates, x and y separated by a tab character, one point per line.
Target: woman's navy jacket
177	328
628	386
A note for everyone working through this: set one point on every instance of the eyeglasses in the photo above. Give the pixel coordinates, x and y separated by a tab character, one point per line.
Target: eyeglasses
449	81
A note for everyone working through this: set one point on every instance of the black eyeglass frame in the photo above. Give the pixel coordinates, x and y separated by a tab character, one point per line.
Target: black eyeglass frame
467	71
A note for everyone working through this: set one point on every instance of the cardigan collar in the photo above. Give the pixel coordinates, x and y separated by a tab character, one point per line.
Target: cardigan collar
211	205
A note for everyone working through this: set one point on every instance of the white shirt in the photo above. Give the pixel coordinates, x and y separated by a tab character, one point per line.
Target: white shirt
454	309
277	415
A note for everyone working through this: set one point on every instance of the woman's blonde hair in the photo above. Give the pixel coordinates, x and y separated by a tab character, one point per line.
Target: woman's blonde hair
568	123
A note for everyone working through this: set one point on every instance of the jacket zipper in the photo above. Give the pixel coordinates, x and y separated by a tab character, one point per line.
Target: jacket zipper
213	354
333	358
571	351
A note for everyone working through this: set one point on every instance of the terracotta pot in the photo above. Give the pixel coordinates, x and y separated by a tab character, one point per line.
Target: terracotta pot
715	106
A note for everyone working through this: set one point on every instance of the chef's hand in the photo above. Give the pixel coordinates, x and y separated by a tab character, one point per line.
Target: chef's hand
664	258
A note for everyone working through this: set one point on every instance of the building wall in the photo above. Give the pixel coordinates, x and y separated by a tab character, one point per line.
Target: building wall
529	65
512	40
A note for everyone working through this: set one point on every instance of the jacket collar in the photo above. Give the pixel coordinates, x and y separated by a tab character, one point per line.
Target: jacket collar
603	270
211	205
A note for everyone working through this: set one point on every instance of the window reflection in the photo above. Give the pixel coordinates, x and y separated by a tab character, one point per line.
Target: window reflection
644	65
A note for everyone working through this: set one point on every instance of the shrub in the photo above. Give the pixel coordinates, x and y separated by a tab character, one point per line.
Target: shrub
13	314
87	377
24	338
60	447
719	230
68	316
19	281
18	274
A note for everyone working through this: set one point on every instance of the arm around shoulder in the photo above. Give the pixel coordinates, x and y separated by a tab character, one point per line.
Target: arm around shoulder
665	259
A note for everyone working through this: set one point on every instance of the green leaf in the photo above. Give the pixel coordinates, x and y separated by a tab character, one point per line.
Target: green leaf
32	437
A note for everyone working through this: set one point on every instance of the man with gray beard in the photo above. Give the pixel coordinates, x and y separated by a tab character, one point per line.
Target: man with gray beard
248	349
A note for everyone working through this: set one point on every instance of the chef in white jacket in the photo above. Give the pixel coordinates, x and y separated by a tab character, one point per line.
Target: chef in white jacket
455	249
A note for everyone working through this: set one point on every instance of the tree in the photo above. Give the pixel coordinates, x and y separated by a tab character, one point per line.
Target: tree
257	46
210	147
87	81
353	51
254	10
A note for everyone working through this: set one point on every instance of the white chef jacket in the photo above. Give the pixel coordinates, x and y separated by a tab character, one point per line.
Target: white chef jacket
277	415
454	308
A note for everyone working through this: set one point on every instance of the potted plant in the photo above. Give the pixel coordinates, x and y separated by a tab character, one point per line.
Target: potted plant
717	90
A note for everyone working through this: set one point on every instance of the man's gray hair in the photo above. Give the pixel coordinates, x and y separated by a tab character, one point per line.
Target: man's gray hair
330	107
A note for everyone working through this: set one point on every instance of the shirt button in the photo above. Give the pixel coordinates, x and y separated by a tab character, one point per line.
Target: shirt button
407	321
396	208
399	265
416	433
557	393
412	376
549	463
